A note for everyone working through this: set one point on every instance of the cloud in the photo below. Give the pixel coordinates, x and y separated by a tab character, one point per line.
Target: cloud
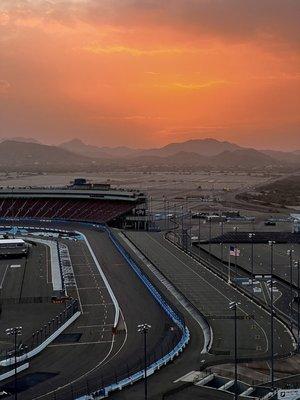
274	21
195	86
132	51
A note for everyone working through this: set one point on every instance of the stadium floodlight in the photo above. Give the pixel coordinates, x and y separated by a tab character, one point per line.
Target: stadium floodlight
144	329
271	244
290	256
15	332
297	265
251	237
233	305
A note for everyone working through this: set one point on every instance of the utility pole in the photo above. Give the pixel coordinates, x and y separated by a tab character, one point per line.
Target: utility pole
143	329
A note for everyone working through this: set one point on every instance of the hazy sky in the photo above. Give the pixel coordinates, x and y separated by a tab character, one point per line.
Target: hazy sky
148	72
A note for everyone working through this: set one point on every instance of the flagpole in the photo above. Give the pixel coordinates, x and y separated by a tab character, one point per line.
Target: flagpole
229	277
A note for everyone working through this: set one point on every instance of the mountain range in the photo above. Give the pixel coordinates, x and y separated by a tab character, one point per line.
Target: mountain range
202	153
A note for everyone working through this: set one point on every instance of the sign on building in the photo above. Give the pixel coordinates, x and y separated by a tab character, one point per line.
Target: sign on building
289	394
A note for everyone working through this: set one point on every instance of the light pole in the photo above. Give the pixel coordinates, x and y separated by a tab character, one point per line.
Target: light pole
15	332
222	233
233	306
235	229
271	244
168	214
209	237
165	211
143	329
199	230
190	227
182	226
290	255
251	236
297	264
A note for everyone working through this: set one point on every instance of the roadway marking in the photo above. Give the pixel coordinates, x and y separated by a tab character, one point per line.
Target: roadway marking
80	343
92	326
2	281
98	304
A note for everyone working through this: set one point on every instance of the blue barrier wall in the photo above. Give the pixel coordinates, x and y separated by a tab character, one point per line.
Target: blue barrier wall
168	310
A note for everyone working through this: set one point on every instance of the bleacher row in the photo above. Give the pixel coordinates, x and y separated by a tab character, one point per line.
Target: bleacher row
90	210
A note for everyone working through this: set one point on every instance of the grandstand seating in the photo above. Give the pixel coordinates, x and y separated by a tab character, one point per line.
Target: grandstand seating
90	210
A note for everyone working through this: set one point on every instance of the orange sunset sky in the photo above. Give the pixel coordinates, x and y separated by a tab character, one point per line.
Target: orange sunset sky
148	72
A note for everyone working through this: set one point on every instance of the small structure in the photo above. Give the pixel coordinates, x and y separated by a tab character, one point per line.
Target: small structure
13	248
296	220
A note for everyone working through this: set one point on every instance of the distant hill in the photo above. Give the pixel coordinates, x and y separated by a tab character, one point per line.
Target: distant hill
244	158
20	139
75	154
120	151
176	160
79	147
21	154
290	157
205	147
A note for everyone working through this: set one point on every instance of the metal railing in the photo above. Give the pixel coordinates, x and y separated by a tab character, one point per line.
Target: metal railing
30	343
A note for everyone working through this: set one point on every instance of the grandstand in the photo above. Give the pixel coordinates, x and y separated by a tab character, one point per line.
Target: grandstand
74	203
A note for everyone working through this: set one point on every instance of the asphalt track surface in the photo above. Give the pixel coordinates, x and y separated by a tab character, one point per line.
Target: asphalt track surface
211	295
64	364
21	281
97	356
283	296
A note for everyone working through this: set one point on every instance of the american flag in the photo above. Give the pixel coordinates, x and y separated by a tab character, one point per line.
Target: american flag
234	251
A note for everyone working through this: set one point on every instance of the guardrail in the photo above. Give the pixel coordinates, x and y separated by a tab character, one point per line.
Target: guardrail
171	346
41	338
175	351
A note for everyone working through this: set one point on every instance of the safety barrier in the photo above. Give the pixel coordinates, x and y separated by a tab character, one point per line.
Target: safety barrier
42	338
104	392
172	351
